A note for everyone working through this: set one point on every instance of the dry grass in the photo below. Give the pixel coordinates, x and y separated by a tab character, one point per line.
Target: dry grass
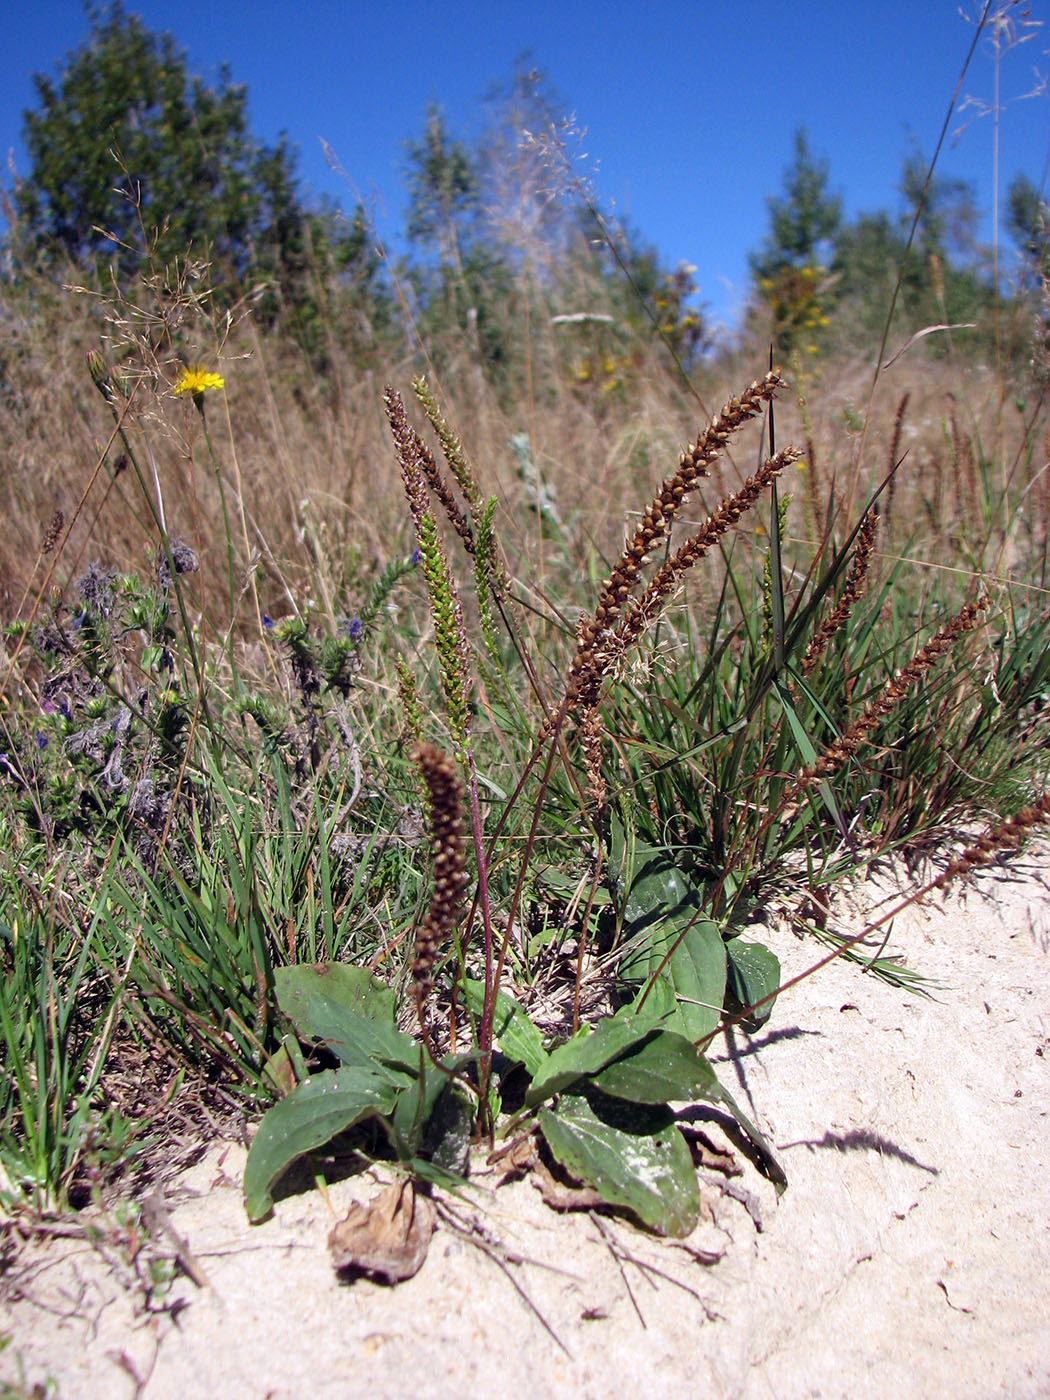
307	462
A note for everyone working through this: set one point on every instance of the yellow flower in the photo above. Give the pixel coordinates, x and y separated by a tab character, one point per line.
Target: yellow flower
195	379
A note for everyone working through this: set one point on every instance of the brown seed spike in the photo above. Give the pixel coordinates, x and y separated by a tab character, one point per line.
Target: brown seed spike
446	845
657	521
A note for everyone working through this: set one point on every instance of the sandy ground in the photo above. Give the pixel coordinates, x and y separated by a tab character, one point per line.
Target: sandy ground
909	1257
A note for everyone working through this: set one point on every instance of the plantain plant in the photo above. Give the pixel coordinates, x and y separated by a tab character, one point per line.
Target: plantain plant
668	916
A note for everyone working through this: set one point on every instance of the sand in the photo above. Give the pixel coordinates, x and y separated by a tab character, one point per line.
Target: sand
910	1255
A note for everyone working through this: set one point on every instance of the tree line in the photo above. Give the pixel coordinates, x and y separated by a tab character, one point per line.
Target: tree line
136	164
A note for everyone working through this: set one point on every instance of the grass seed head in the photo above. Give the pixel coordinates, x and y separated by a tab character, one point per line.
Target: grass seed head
444	801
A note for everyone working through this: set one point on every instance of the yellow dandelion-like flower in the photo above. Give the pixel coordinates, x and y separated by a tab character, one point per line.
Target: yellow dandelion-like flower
195	379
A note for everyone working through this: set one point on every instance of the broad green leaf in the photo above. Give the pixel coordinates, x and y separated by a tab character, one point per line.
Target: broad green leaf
635	1158
665	1068
346	1009
312	1114
670	1068
415	1107
689	990
358	1040
662	915
658	890
514	1033
587	1052
753	972
351	987
450	1127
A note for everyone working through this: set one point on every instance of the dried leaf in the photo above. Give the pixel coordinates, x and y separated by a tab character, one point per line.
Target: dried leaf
388	1238
516	1159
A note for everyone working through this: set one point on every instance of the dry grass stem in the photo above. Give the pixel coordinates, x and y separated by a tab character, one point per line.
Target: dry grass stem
895	442
964	469
814	494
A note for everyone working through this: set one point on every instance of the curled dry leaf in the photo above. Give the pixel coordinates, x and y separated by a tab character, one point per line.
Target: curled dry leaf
388	1238
517	1158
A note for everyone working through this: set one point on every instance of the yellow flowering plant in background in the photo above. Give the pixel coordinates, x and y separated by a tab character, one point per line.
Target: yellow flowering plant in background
196	379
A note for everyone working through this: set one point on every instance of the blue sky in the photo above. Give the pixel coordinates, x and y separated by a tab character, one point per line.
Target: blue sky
689	105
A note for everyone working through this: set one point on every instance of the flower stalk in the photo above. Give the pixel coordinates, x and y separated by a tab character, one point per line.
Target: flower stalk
420	477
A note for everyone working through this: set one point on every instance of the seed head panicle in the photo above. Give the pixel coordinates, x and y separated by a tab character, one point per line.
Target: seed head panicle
406	447
668	576
1005	835
856	582
53	533
445	608
592	733
441	777
891	695
420	472
450	445
693	464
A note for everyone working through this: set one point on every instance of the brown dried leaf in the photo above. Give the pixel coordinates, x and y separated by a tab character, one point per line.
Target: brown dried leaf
516	1159
388	1238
